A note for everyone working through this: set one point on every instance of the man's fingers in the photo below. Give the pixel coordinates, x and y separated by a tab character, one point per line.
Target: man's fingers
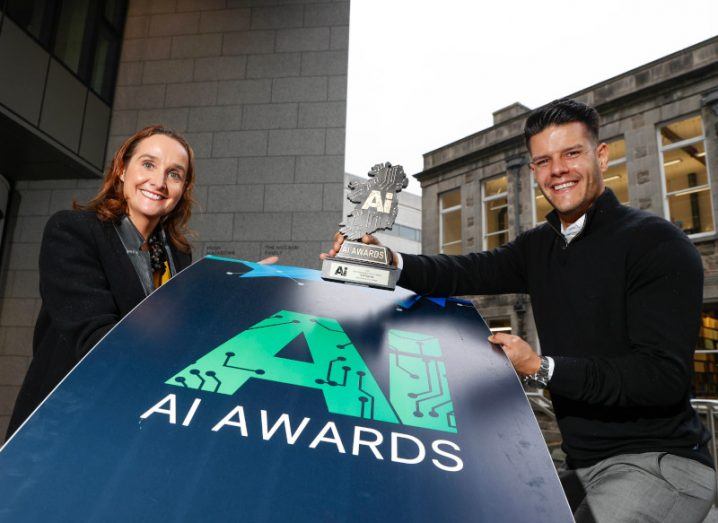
502	338
336	245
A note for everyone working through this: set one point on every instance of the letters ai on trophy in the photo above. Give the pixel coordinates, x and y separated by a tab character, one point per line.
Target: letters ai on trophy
376	208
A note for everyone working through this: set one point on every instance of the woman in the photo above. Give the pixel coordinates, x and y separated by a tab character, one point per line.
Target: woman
100	260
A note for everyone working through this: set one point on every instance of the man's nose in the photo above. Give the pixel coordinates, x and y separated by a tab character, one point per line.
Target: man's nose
558	166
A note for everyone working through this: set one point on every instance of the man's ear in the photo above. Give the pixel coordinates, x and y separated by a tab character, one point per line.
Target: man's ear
602	155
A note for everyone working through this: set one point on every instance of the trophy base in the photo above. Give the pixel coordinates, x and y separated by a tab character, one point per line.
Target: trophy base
358	273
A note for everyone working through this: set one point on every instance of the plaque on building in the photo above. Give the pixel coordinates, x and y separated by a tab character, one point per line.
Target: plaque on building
376	208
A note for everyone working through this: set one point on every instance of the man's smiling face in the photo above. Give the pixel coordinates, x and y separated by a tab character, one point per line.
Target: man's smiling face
568	167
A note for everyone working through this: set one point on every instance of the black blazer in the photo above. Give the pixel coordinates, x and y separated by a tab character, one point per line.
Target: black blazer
87	284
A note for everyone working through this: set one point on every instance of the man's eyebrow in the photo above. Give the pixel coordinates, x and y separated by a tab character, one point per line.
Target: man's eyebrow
569	148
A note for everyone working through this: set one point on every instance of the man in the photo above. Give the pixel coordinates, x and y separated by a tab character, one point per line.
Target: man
616	295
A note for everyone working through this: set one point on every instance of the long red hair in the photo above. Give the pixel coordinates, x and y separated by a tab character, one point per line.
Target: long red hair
110	203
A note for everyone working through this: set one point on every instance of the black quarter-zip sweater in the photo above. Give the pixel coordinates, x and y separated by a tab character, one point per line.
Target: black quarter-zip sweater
618	309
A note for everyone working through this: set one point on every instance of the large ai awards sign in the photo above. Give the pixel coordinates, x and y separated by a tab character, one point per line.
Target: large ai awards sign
261	393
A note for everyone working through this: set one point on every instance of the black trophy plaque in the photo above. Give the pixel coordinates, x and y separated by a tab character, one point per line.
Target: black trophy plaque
376	209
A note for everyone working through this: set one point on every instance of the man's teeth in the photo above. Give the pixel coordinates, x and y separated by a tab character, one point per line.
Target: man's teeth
151	195
563	186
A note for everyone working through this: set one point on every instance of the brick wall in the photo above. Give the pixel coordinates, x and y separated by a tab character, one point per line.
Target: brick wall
259	89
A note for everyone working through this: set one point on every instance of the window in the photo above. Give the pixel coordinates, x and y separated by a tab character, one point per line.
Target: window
496	206
685	174
705	361
450	222
616	176
32	15
83	35
541	205
499	325
404	231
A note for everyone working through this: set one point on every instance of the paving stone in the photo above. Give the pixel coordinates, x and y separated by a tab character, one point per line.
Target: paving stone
195	46
270	116
277	17
216	171
219	118
239	143
296	142
293	197
303	39
299	89
273	65
278	169
225	21
236	198
174	24
220	68
248	42
263	226
168	71
322	63
244	92
322	114
191	94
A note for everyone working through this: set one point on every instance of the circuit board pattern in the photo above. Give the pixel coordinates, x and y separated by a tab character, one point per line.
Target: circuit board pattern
338	370
419	389
385	180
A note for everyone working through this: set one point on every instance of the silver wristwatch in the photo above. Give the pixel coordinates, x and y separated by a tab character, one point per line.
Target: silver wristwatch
540	377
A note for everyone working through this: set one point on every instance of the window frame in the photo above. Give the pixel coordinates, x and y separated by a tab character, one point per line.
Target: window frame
623	160
487	199
442	212
678	145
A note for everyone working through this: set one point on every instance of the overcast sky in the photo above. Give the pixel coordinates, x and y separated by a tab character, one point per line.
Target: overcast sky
423	73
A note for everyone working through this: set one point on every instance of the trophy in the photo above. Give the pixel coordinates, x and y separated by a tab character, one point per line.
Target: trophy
376	209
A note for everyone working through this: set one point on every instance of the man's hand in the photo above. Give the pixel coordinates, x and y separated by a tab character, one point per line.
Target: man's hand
520	354
339	240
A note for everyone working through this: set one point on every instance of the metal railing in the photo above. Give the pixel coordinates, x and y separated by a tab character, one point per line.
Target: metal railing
709	409
706	408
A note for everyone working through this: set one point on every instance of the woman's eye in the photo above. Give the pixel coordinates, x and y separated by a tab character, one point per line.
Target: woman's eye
147	165
175	175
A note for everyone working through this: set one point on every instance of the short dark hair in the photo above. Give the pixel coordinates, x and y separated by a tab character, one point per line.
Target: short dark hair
561	112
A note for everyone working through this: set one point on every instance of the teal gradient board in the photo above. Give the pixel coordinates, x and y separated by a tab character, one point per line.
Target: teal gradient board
262	393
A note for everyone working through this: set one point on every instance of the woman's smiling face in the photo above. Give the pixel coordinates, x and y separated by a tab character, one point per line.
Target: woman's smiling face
154	180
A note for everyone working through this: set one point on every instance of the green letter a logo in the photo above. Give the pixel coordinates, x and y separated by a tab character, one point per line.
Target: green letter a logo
419	390
338	370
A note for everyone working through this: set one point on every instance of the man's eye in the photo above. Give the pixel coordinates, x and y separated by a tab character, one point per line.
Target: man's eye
541	163
573	154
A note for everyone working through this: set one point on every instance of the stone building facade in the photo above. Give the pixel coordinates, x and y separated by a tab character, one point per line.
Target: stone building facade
661	123
257	86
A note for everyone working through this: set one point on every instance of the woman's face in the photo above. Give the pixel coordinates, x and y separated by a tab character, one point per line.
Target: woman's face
154	180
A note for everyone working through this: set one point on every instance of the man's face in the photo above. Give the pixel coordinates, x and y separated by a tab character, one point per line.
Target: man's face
569	167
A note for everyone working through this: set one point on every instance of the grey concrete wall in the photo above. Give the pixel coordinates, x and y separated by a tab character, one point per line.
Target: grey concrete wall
259	89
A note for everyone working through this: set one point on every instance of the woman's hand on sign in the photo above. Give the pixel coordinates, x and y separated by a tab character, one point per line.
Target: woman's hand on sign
269	260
